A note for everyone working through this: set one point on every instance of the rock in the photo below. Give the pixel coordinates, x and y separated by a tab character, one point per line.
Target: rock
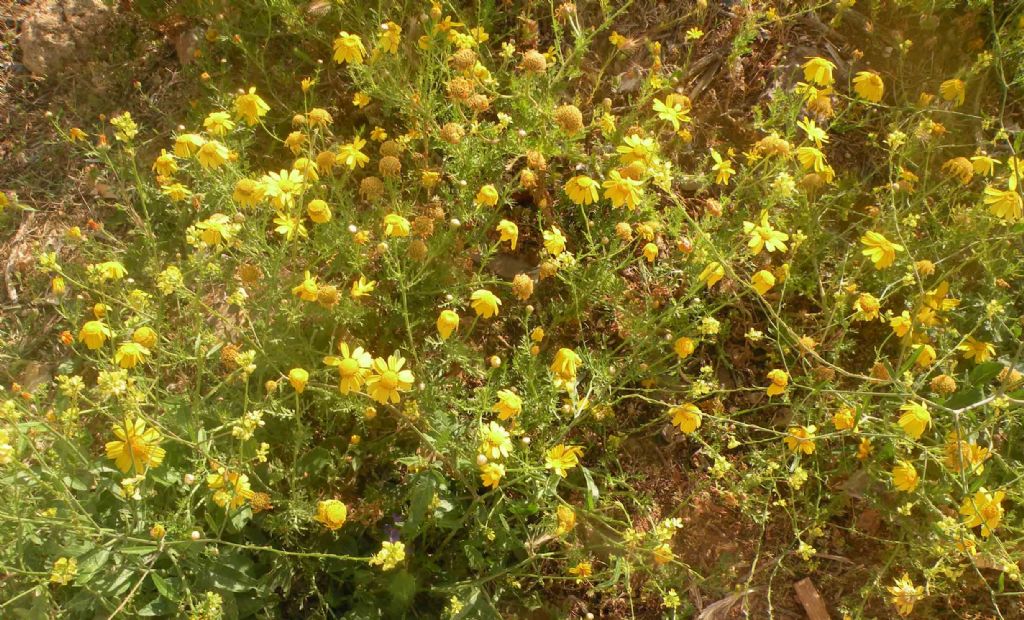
811	600
56	32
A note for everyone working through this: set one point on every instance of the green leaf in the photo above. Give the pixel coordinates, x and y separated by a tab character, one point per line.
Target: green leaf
164	587
315	460
402	589
231	579
159	606
983	373
137	550
90	563
593	493
419	499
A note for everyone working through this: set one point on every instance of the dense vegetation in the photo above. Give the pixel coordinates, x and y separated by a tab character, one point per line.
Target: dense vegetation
518	309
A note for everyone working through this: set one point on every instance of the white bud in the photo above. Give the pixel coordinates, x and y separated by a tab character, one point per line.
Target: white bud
195	535
352	228
481	459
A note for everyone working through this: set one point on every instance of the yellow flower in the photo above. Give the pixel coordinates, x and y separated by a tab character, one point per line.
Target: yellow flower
977	350
484	303
712	274
360	99
487	196
187	144
353	367
984	509
307	290
663	554
582	190
902	324
362	287
348	48
396	226
984	165
818	70
94	334
845	418
318	211
218	124
869	86
672	110
391	37
915	419
811	158
554	241
509	232
447	322
650	252
965	455
582	571
686	418
509	405
351	154
289	226
762	281
925	355
1004	204
495	442
562	458
391	554
867	307
331	513
880	250
764	237
904	477
230	488
779	380
248	193
212	155
295	141
130	354
566	363
389	379
319	117
64	571
815	134
566	519
637	149
622	191
298	377
146	336
165	164
491	474
905	594
111	270
801	439
684	347
723	168
250	107
136	446
953	89
282	187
